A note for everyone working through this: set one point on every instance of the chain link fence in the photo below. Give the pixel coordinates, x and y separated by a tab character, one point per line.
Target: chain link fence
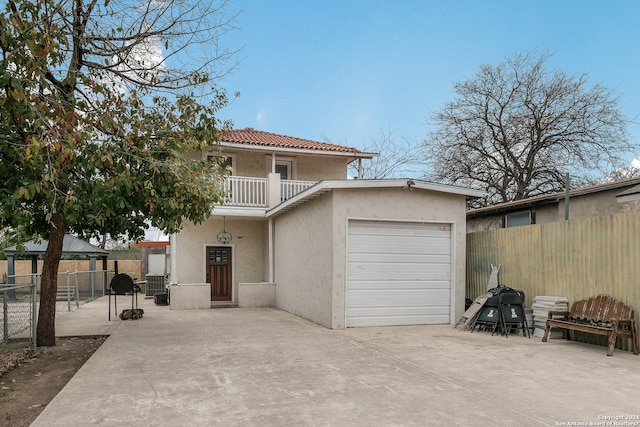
20	297
19	311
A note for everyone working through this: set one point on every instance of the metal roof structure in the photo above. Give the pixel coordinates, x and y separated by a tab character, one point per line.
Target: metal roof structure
71	245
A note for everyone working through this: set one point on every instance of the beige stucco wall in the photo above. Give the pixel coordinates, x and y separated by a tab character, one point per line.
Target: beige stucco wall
319	168
247	254
248	163
304	261
306	168
602	203
311	259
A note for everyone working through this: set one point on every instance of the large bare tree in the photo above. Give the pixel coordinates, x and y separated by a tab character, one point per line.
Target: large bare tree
102	104
518	128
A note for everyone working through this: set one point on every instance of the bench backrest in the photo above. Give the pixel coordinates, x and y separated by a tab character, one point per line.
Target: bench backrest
600	308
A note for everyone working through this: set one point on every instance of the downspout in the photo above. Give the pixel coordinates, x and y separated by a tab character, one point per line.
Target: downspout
360	168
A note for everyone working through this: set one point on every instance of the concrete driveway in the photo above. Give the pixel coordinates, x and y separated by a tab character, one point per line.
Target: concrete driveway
265	367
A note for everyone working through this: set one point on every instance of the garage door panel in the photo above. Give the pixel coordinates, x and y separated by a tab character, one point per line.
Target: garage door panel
400	311
376	298
401	258
392	228
407	245
398	273
398	320
391	272
398	285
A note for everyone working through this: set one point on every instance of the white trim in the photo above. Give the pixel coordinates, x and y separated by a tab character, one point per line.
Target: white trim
454	267
273	159
240	211
234	288
401	184
289	165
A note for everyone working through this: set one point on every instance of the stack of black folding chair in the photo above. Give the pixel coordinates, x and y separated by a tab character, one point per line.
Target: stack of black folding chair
502	312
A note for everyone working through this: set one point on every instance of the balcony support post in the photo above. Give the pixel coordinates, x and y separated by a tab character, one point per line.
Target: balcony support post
271	253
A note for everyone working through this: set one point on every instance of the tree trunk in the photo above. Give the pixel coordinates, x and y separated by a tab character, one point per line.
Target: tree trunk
46	330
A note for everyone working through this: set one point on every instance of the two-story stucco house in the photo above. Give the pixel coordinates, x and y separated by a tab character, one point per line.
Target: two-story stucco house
297	234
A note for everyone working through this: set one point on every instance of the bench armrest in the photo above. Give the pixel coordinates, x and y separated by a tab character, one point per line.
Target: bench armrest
564	314
623	322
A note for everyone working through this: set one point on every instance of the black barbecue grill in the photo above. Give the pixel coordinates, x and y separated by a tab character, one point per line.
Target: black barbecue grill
122	284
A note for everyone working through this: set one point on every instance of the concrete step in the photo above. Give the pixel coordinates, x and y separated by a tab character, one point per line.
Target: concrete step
224	304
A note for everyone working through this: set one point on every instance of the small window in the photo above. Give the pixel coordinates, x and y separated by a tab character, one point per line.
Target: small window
226	163
283	170
517	219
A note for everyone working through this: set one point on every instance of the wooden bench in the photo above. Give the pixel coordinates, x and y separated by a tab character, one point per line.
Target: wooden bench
601	315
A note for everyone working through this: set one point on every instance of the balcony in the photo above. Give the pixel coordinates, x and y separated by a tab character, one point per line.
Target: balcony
250	192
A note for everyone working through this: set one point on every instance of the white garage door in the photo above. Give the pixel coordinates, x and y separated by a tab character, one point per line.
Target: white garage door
398	273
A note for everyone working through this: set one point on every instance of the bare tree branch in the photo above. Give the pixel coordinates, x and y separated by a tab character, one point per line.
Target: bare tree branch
396	158
515	130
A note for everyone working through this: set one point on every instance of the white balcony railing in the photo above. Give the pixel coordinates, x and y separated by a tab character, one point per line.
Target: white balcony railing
246	191
290	187
254	192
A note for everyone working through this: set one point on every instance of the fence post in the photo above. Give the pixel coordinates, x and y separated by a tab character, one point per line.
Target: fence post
77	291
104	281
68	292
34	316
5	317
92	279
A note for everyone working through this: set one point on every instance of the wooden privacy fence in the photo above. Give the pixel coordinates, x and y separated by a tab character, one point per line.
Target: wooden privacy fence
575	259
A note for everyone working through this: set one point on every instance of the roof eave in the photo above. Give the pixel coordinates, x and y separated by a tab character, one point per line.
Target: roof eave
269	149
326	186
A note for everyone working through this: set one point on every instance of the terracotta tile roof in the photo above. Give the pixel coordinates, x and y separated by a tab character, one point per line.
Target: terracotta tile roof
251	136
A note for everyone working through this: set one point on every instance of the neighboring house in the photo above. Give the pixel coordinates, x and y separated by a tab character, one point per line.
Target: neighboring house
597	200
630	195
297	234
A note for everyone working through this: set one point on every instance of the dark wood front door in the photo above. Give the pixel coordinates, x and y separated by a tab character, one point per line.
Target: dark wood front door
219	272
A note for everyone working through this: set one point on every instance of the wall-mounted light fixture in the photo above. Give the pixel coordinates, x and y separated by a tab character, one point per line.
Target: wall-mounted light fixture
224	236
409	186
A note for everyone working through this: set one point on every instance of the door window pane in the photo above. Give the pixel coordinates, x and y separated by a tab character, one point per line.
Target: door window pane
283	170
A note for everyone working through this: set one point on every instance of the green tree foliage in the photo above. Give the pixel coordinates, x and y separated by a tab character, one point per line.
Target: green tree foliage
516	129
99	120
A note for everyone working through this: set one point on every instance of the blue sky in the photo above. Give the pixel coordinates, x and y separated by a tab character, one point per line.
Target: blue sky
345	70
